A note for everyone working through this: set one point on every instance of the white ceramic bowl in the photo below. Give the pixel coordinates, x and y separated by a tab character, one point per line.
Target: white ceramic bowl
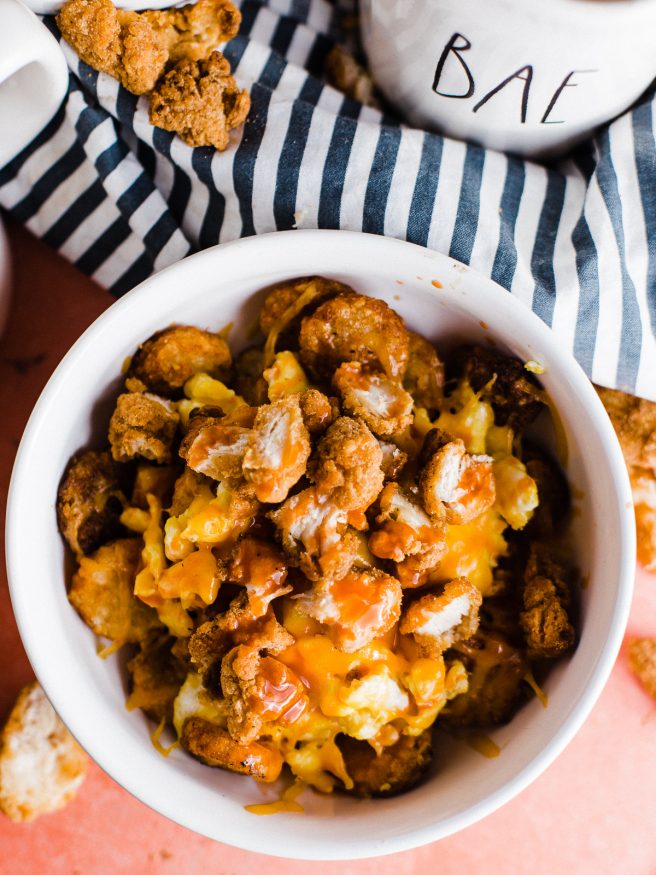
211	289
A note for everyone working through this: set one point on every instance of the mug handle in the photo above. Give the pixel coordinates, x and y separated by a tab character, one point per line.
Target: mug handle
33	77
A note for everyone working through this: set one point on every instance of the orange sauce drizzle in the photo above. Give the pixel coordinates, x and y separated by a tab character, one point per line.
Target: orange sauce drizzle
286	803
537	689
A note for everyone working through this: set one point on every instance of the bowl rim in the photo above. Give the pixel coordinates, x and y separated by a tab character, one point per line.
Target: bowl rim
366	246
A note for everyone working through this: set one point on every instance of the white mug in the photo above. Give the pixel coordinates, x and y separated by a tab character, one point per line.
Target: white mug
33	77
532	77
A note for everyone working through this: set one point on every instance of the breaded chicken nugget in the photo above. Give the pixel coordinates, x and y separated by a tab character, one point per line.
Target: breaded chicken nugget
642	659
354	328
143	425
643	483
156	675
259	690
546	616
424	376
383	404
318	410
634	420
348	465
163	363
394	770
200	101
285	301
214	746
394	460
453	480
41	764
440	619
215	446
278	450
135	47
102	592
553	493
89	501
259	566
361	606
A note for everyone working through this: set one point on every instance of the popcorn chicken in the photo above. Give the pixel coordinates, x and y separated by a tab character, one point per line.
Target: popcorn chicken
143	426
454	480
514	393
348	466
259	690
642	659
285	301
545	619
354	328
394	460
634	421
438	620
424	376
643	483
41	764
382	403
237	625
318	410
357	608
214	746
278	450
164	362
394	770
260	567
102	593
200	101
553	494
216	445
89	501
345	74
156	675
135	47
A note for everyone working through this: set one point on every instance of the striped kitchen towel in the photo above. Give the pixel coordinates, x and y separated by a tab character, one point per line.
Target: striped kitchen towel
575	241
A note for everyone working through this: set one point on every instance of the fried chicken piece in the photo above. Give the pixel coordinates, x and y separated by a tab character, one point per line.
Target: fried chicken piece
514	393
361	606
354	328
259	690
261	568
89	501
348	465
215	746
642	659
163	363
438	620
424	376
156	675
394	770
186	488
496	671
278	450
545	619
406	532
200	101
634	421
383	404
143	425
237	625
215	445
553	493
318	410
135	47
285	301
41	764
394	460
249	382
643	483
453	480
345	74
102	593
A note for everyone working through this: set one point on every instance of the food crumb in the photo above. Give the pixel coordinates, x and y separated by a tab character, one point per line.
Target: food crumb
484	325
437	284
534	367
642	660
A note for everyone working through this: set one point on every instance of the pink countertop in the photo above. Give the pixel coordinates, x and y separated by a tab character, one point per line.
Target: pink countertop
593	811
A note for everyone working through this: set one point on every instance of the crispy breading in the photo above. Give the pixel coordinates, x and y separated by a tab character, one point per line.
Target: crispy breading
361	606
259	690
259	566
318	410
439	619
552	511
643	483
89	501
424	376
41	764
642	659
156	675
278	449
185	490
200	101
135	47
496	672
546	620
214	746
634	421
394	460
237	625
383	404
354	328
249	382
345	74
348	465
143	425
102	593
215	446
164	362
282	297
394	770
453	480
514	393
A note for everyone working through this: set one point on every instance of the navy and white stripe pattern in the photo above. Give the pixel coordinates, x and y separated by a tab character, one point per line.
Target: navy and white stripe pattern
576	241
